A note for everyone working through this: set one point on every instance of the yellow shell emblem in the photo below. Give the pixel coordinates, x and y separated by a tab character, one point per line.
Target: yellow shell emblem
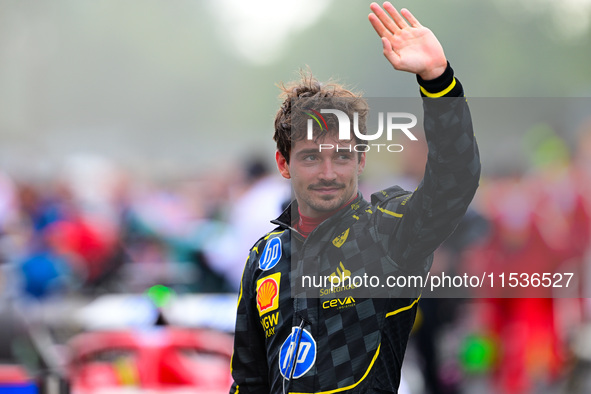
266	294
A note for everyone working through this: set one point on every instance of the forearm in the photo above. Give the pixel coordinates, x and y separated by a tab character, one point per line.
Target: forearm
452	171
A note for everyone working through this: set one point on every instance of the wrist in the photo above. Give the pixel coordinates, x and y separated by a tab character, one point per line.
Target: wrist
443	85
434	72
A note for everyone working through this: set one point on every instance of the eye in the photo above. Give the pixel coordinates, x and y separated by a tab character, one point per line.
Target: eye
309	158
345	156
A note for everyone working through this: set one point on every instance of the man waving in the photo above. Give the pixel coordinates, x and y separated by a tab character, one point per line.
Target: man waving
291	340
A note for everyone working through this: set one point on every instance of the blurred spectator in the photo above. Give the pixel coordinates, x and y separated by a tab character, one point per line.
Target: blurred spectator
540	224
264	197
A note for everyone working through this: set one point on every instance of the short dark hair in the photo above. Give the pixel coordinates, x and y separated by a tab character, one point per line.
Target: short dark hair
308	93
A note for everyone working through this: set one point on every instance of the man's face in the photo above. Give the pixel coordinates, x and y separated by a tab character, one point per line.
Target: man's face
322	180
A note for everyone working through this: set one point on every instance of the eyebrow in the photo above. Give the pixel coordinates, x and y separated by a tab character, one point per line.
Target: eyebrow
308	151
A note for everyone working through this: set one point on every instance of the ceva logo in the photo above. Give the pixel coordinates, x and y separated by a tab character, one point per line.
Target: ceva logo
345	129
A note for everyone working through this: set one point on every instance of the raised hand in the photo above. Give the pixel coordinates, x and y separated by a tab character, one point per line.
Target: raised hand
408	46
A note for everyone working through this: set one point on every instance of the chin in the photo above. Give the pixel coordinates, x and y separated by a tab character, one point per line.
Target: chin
327	207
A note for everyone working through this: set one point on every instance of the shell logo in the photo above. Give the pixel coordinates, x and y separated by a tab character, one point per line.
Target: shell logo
268	292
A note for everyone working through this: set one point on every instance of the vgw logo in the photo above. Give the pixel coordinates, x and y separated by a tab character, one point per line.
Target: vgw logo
271	254
306	354
345	129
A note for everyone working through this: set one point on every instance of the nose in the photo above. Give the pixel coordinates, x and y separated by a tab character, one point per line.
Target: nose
327	171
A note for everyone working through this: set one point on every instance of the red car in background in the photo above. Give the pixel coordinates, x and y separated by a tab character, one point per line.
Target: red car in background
14	379
160	359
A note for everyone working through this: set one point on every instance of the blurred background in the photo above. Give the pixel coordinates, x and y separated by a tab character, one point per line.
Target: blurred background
136	170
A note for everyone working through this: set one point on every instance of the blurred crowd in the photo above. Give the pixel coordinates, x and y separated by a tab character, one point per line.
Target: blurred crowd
531	338
95	230
78	232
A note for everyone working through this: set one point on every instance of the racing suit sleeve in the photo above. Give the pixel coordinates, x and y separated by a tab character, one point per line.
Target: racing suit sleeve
451	177
249	360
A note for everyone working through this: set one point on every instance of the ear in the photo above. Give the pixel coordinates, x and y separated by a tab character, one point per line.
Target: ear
282	165
361	163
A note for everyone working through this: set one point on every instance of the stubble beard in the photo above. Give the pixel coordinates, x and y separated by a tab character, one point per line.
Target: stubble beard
328	203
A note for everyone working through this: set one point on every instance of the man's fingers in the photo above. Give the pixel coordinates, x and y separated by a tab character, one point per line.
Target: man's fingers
392	56
384	19
378	26
410	17
399	20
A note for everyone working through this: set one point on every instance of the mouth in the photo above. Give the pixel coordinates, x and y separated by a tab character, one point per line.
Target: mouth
326	189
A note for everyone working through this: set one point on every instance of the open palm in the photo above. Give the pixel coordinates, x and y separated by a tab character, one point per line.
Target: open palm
408	46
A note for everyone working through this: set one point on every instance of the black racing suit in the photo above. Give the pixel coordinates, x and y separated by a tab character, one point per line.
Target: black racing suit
346	343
